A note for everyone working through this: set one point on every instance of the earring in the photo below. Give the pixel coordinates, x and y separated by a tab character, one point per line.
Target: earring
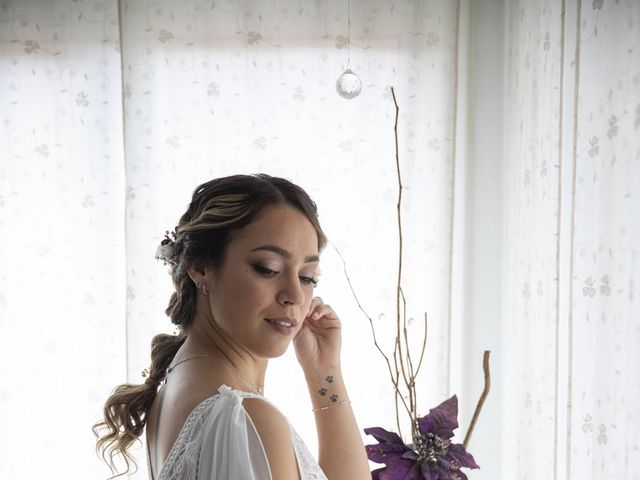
203	287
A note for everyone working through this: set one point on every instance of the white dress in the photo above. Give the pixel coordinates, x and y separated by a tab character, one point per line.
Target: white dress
218	441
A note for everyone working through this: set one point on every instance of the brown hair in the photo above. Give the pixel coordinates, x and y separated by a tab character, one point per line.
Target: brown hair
219	209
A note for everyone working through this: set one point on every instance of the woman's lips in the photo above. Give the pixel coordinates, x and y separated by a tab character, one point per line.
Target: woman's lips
283	325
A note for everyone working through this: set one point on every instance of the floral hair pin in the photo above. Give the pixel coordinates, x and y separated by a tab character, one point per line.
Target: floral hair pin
167	248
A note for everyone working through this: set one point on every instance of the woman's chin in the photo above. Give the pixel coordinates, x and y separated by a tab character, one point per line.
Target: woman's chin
276	350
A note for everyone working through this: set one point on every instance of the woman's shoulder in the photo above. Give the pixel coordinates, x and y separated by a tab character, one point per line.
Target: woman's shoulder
263	413
275	433
267	419
226	399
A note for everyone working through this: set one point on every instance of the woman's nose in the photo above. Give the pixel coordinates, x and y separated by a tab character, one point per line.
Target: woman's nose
291	292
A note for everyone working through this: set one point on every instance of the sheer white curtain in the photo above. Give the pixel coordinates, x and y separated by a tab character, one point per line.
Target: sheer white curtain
250	87
62	249
114	111
572	171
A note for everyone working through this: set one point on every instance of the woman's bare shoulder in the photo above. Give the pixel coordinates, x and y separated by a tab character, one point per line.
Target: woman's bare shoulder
275	434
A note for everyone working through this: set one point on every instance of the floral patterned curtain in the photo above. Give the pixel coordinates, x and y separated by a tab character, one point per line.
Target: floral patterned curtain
571	176
62	249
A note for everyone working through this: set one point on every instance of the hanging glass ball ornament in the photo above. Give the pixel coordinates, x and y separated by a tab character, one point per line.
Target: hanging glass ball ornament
348	85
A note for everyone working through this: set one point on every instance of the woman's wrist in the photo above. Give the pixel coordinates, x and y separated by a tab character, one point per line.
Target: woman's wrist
326	388
331	405
316	373
318	368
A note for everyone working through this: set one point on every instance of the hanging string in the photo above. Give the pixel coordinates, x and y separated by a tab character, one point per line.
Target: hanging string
348	84
348	33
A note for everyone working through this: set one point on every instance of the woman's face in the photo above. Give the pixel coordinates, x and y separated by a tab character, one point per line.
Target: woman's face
262	292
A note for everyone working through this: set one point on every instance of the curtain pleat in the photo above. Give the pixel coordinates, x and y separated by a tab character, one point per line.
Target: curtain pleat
605	353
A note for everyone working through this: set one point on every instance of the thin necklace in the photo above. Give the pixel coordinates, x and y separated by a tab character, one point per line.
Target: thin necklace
171	367
258	388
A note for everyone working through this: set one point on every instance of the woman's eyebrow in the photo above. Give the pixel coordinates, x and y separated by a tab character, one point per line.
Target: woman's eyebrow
284	253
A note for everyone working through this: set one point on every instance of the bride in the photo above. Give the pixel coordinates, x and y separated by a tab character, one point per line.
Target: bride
244	262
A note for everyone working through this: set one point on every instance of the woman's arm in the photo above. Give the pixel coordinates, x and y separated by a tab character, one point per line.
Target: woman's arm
341	452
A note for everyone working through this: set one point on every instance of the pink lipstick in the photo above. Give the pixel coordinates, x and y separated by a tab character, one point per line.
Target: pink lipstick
283	325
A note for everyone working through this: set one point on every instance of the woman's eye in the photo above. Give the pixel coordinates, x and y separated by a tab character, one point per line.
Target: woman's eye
267	272
309	281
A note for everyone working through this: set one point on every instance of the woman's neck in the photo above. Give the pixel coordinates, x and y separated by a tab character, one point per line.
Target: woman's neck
237	365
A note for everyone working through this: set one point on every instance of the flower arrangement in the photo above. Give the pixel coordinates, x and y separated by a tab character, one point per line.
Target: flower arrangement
432	455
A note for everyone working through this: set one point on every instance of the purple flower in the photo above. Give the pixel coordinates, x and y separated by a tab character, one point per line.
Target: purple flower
432	456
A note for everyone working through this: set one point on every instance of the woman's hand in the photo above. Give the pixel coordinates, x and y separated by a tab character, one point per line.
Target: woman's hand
318	342
341	452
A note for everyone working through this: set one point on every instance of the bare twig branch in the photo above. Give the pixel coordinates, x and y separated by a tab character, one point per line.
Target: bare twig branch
399	394
424	344
394	377
355	296
396	358
406	336
407	366
403	356
410	378
399	218
485	392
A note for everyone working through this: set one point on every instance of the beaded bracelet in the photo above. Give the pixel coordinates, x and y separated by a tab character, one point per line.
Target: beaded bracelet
339	404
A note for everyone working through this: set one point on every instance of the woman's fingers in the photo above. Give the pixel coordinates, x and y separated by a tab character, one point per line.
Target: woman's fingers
318	341
320	309
315	301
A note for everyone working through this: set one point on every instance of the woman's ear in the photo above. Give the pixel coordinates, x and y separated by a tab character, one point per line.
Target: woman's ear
197	274
201	275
